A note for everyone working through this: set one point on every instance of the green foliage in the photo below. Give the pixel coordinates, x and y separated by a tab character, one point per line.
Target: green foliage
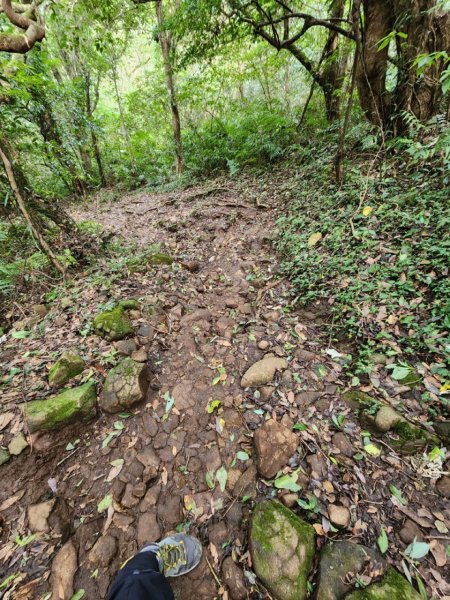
382	261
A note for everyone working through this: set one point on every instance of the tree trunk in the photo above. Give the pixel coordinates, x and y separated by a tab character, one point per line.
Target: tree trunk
90	112
166	47
18	194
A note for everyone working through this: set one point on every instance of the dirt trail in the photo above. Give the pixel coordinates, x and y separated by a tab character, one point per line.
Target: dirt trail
211	319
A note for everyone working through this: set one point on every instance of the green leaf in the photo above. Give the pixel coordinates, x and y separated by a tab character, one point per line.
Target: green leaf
300	427
372	450
242	455
5	583
209	477
170	401
105	503
78	595
417	550
288	482
383	542
20	335
397	494
22	542
213	405
222	476
118	425
117	463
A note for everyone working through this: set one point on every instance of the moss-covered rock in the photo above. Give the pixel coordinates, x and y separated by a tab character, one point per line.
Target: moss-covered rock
130	304
392	587
409	439
76	404
339	563
360	400
113	324
124	385
68	366
443	430
4	456
159	258
282	548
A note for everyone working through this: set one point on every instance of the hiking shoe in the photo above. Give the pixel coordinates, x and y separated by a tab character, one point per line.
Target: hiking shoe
177	554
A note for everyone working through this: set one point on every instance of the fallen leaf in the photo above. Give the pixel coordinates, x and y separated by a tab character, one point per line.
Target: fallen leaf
439	553
5	419
10	501
367	210
314	239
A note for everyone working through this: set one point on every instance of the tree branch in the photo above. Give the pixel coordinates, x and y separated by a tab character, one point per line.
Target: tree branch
15	42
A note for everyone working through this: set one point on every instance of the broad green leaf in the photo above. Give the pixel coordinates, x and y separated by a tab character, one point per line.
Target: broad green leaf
288	482
117	463
242	455
397	494
213	405
417	550
170	400
300	427
78	595
209	477
20	335
222	476
104	504
383	542
372	450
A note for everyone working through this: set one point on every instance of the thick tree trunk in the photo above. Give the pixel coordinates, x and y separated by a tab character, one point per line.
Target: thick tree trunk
166	47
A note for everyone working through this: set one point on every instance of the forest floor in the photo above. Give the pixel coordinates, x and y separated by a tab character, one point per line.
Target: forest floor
219	308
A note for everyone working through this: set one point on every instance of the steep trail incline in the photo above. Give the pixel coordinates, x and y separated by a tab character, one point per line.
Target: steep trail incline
185	455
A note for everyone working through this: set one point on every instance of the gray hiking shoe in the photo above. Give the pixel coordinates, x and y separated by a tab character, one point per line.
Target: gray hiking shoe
177	554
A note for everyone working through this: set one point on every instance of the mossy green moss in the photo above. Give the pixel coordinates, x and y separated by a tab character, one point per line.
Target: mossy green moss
67	367
282	548
4	456
392	587
130	304
159	258
360	400
113	324
410	438
413	378
76	404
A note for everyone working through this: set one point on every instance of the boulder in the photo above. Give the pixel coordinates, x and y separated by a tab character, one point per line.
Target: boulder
64	567
386	418
76	404
282	549
409	439
337	561
393	587
113	324
17	445
68	366
124	386
274	445
263	371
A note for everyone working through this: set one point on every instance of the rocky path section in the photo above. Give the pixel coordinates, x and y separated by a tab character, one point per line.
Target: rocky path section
213	395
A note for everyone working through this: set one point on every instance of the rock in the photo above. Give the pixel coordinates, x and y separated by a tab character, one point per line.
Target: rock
76	404
113	324
386	418
378	358
246	484
274	445
124	386
263	371
17	445
442	428
409	439
393	586
266	392
190	265
359	400
64	567
170	511
318	466
68	366
50	516
151	462
146	333
263	345
339	516
66	302
103	551
409	531
289	500
282	549
337	561
126	347
148	529
443	486
4	456
234	579
341	442
130	304
41	310
140	355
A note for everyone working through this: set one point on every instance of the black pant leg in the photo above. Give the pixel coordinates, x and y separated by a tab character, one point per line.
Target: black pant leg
140	579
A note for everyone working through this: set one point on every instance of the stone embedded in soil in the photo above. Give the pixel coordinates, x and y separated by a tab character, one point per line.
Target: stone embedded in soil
50	516
358	400
337	561
387	418
245	486
68	366
103	551
343	444
234	579
409	439
392	587
339	516
64	567
442	428
140	355
443	486
159	258
282	549
124	386
126	347
263	371
76	404
274	445
409	531
4	456
17	445
113	324
148	530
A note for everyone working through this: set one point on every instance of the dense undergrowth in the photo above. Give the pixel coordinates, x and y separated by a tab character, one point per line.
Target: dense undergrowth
376	249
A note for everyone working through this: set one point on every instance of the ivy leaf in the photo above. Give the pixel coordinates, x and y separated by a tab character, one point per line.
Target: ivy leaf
383	542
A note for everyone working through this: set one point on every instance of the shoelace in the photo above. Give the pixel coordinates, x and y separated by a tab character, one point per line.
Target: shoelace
172	556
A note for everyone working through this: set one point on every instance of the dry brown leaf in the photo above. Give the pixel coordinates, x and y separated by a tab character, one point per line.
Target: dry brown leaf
439	553
10	501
